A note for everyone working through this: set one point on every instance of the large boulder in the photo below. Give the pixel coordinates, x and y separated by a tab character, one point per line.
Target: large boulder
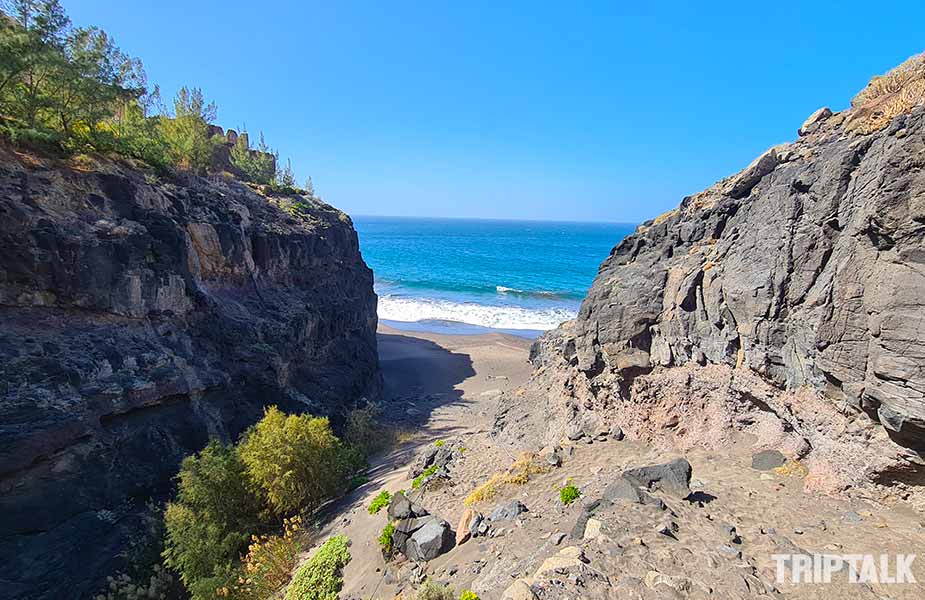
672	477
429	540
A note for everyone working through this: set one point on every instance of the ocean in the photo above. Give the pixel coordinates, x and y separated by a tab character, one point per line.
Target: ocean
470	275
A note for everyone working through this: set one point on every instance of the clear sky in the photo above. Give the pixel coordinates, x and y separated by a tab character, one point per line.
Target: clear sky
576	110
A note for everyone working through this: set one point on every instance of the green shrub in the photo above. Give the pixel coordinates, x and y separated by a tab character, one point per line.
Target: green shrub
417	481
439	443
295	462
379	502
468	595
431	590
385	538
569	493
211	520
320	578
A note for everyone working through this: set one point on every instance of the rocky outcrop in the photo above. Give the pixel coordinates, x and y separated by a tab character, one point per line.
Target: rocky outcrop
787	300
139	318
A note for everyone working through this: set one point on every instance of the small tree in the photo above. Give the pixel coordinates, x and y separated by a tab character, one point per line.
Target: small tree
285	177
211	520
258	166
295	461
309	187
187	133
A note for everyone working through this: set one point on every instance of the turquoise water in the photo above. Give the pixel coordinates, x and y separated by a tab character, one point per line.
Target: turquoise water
467	275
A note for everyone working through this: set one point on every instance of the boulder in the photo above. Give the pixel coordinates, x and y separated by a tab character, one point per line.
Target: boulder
400	507
468	525
812	123
429	541
672	477
508	511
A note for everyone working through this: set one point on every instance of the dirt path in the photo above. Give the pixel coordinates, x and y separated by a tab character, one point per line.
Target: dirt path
448	384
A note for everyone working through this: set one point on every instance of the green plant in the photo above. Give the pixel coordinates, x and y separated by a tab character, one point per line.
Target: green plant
431	590
568	493
381	500
320	578
294	461
468	595
417	481
439	443
269	562
211	519
385	538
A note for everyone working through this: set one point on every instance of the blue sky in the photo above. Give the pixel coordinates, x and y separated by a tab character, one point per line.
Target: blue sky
604	111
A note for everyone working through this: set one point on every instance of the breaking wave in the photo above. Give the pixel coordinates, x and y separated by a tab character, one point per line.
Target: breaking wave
403	308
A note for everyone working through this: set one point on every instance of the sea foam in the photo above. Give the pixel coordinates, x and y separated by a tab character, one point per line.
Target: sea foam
403	308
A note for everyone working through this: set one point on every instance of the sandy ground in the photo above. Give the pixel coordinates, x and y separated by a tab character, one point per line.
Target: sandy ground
450	385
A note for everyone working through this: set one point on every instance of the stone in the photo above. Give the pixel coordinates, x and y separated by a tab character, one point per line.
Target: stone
672	477
519	590
429	541
653	579
616	432
508	511
767	460
467	526
553	459
592	529
812	122
402	508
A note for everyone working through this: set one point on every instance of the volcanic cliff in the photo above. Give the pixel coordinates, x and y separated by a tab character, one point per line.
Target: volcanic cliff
140	316
785	302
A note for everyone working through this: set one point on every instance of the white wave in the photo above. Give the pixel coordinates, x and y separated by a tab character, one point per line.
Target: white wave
406	309
504	290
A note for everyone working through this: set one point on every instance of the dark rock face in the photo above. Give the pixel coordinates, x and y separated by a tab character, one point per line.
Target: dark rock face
806	268
805	271
137	320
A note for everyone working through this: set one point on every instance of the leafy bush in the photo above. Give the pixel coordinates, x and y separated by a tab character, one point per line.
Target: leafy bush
431	590
379	502
417	481
295	462
439	443
569	493
268	566
468	595
320	577
385	538
211	520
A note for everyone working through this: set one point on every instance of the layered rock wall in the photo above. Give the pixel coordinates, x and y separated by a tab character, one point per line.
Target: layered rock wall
139	318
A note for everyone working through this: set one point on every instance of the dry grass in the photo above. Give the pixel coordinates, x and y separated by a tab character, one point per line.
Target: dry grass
518	473
886	96
792	468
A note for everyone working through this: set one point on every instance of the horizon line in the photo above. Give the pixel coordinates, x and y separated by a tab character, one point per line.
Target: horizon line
517	219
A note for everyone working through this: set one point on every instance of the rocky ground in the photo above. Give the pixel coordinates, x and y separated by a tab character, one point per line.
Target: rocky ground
710	536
